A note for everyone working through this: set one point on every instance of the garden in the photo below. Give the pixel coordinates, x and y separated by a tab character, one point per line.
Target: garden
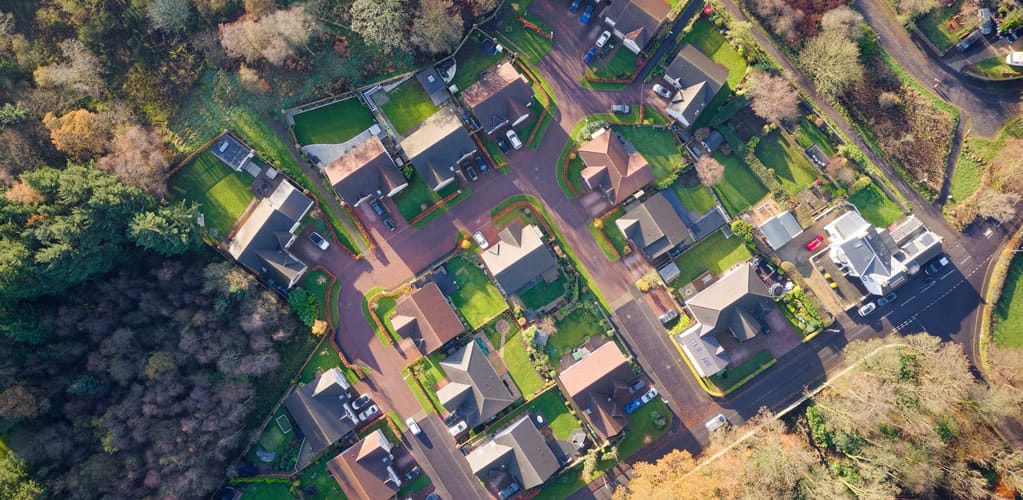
569	178
658	146
407	106
516	357
417	197
705	36
334	123
619	65
790	164
532	41
477	298
875	206
222	193
609	238
739	189
471	61
423	377
941	29
316	483
574	324
695	197
731	378
715	253
277	450
543	293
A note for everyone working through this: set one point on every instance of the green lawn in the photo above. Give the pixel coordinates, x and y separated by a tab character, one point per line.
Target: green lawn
740	189
728	378
875	206
790	164
614	234
222	193
477	298
417	197
994	67
316	475
705	36
408	105
935	27
715	253
334	123
657	145
809	134
573	330
620	65
418	484
1008	318
543	293
555	413
471	62
531	45
384	307
642	429
422	396
273	438
324	359
268	491
316	283
519	367
695	198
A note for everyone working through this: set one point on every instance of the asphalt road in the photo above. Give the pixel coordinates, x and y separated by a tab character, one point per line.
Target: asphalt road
444	463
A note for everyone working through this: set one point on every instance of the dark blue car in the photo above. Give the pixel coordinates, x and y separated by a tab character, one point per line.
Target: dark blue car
589	55
575	6
633	406
587	13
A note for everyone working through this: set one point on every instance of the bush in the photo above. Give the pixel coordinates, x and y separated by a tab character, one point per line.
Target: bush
304	305
744	230
862	183
853	153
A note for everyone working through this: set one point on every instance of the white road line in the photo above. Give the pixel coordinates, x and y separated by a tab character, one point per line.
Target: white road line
886	315
946	275
908	300
968	257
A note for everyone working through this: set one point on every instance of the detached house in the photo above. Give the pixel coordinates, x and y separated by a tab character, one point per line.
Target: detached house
520	258
365	172
436	148
321	411
612	171
426	317
501	98
636	22
517	458
262	243
697	80
598	387
654	227
373	468
474	391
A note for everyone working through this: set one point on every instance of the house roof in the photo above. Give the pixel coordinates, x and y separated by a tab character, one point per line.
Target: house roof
501	96
369	468
436	147
698	79
232	152
474	391
259	242
609	168
365	170
780	229
714	307
434	86
639	20
594	384
518	452
427	315
654	226
318	410
519	257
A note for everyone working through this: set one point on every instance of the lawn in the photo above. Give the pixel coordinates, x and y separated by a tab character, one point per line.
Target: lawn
222	193
740	189
334	123
696	198
324	359
268	491
316	283
658	147
316	476
417	197
790	164
408	105
705	37
1008	318
716	253
384	307
477	298
519	367
642	429
543	293
573	330
727	380
935	27
621	65
809	134
531	45
994	67
430	373
875	206
471	62
555	413
614	234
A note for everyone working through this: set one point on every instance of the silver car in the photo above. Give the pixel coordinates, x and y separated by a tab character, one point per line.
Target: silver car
661	91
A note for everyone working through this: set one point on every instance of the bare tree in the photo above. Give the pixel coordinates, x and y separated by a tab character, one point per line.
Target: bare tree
259	8
139	158
379	22
169	15
997	205
438	26
834	62
1007	167
23	193
273	38
774	99
481	8
844	20
915	8
78	70
709	170
780	16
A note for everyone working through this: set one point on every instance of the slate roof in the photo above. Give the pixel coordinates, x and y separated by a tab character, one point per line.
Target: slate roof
517	453
474	391
780	229
434	86
363	172
370	468
519	257
318	410
436	147
654	226
501	97
698	79
260	242
425	314
638	20
232	152
597	385
610	169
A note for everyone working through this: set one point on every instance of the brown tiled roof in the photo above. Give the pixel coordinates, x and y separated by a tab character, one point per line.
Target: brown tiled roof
428	314
361	470
639	20
364	170
595	384
609	168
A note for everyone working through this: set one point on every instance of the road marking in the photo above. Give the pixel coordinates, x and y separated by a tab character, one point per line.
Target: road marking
968	257
988	233
924	289
908	300
946	274
889	313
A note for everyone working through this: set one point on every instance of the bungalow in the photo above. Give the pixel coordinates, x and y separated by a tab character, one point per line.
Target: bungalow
598	387
474	391
364	172
636	22
611	170
502	97
654	226
698	79
520	258
320	411
436	148
517	458
373	468
426	317
263	241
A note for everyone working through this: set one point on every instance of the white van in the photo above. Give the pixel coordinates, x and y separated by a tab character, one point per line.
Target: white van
716	422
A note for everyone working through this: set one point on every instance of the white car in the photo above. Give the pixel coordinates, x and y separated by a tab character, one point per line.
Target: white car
604	37
1015	59
319	240
661	91
867	309
480	240
716	422
413	426
369	412
649	395
513	138
458	428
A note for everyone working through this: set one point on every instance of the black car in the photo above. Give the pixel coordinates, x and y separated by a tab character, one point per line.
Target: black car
482	163
389	222
503	144
377	207
470	172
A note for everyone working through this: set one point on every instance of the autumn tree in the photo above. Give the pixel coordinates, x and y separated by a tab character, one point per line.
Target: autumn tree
997	205
709	170
171	230
79	133
438	26
833	61
779	16
259	8
480	8
23	193
774	98
15	484
915	8
78	70
169	15
274	38
139	158
1007	167
380	23
843	20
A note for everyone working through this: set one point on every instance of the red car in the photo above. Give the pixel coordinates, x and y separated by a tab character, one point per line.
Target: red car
814	243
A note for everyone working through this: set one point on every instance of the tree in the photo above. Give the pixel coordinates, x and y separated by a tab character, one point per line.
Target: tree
21	192
304	304
480	8
380	23
79	133
17	403
774	99
997	205
666	479
259	8
12	113
138	157
833	61
709	170
780	16
171	230
14	481
78	71
1007	167
273	38
438	26
916	8
169	15
744	230
843	20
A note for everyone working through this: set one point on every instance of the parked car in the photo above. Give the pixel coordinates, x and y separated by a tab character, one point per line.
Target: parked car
514	139
372	410
319	240
633	406
649	395
887	299
637	386
661	91
413	426
716	422
480	240
668	317
413	473
451	419
377	207
1014	59
814	243
482	164
458	428
621	109
389	222
936	266
575	6
503	144
589	55
866	309
970	39
470	172
587	14
603	38
360	401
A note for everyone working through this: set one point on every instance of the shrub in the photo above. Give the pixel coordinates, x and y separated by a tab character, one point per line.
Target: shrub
862	183
304	305
744	230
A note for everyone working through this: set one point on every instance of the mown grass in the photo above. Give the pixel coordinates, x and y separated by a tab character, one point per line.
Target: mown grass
573	330
875	207
994	67
531	45
715	253
935	27
613	234
316	476
790	164
418	196
740	189
657	146
620	65
334	123
1008	319
696	198
471	62
543	293
519	367
809	134
477	298
727	379
408	105
222	193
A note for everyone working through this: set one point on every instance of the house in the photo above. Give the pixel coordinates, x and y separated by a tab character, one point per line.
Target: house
881	259
426	316
263	241
434	86
611	170
736	304
232	152
372	468
474	390
598	387
654	226
780	229
520	257
364	172
502	97
436	148
517	458
698	80
636	22
319	409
